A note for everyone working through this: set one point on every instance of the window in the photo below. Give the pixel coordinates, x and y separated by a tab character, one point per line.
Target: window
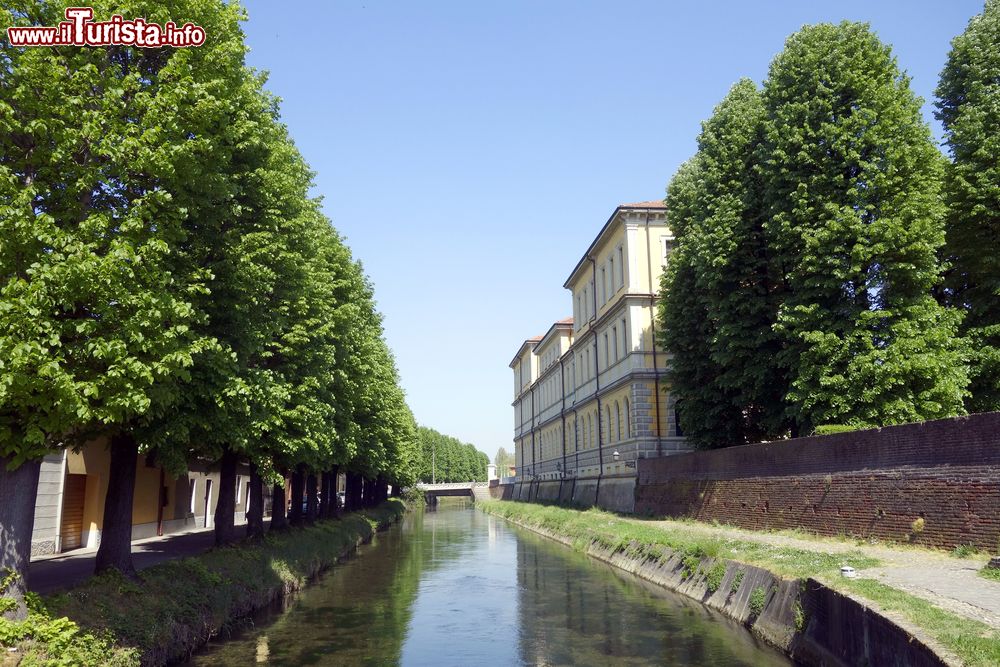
604	286
628	421
624	339
621	267
667	245
618	422
614	283
194	486
614	341
607	355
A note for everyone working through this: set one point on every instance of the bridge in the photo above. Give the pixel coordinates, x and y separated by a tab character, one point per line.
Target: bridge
474	490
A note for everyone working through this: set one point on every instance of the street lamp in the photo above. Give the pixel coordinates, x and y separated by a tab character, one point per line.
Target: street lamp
616	456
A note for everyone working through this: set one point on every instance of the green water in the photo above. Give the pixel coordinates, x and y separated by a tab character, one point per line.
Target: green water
453	586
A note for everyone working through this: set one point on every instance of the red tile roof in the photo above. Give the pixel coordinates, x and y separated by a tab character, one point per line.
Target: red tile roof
653	203
568	320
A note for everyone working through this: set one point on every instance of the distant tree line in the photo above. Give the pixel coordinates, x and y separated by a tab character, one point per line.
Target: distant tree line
447	459
168	284
831	267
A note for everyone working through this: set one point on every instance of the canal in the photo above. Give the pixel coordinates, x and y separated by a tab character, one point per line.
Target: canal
453	586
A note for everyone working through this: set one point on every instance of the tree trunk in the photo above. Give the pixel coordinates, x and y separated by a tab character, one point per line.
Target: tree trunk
255	511
312	498
368	489
352	495
225	508
381	490
115	552
298	482
278	519
18	489
327	497
397	491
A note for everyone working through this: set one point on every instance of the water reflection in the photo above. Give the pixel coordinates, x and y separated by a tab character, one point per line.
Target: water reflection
575	611
456	587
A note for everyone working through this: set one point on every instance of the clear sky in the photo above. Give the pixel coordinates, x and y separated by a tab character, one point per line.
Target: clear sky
470	151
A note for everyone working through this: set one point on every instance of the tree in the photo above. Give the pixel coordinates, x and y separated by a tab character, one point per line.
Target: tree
718	314
504	461
969	108
106	155
710	417
852	188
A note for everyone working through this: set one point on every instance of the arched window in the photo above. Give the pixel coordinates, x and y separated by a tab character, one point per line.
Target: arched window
590	429
618	422
628	421
607	423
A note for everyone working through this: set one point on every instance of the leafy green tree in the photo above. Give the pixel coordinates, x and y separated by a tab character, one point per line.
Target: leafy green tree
717	319
710	416
969	108
852	185
107	155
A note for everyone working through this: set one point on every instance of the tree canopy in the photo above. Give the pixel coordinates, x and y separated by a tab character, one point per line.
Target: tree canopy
969	108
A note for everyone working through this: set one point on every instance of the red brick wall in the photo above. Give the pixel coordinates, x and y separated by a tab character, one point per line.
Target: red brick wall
869	483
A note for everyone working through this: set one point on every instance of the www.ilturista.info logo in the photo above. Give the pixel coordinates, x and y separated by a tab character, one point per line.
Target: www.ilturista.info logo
79	29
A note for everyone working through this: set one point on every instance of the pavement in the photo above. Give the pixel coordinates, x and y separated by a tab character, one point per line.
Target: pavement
947	581
49	574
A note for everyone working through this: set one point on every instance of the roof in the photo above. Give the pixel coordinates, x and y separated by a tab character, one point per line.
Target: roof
565	320
653	203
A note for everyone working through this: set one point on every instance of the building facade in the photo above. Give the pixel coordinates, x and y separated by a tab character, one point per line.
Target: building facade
69	506
590	395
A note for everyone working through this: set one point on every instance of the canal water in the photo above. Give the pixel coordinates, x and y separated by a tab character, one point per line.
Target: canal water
453	586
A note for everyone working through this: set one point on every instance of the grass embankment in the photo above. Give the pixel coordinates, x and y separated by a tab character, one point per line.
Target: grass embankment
973	642
178	605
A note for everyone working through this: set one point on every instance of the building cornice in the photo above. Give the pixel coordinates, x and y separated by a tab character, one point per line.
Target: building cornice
560	326
530	342
647	206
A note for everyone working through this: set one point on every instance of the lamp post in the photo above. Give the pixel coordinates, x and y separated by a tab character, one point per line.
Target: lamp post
615	455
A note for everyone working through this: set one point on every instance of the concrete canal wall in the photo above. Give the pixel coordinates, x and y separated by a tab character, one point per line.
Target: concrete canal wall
810	622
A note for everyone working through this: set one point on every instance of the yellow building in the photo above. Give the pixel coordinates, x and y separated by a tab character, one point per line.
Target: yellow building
69	506
590	396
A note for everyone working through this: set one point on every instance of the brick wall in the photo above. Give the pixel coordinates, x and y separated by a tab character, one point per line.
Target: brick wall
874	483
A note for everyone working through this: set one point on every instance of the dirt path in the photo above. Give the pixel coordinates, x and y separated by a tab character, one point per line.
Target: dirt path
949	582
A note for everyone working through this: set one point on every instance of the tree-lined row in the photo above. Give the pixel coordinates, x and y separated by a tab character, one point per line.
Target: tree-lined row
813	229
167	284
447	459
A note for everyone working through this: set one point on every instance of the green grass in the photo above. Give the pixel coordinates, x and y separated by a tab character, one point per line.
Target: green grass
177	604
973	642
640	540
991	573
756	603
964	551
714	577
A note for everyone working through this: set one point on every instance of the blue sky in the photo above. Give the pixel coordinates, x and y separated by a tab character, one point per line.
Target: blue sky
470	151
